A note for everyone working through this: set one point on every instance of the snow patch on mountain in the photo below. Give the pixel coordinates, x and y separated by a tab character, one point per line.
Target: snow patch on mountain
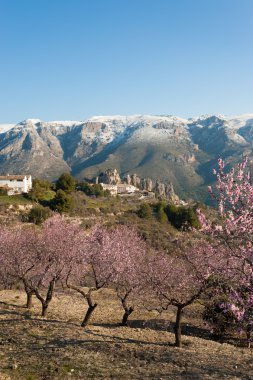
6	127
241	120
108	129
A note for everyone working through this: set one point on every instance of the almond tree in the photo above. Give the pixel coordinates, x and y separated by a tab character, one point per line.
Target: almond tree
18	254
233	194
180	279
240	305
58	244
91	268
39	258
130	264
113	258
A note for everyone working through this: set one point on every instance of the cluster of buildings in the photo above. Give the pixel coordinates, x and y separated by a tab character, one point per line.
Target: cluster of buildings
121	188
16	184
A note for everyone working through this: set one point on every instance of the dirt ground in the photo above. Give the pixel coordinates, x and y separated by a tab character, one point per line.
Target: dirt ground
57	348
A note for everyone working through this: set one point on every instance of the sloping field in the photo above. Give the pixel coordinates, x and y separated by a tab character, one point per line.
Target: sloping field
33	348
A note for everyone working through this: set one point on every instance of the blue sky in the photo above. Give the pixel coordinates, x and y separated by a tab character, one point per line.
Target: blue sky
72	59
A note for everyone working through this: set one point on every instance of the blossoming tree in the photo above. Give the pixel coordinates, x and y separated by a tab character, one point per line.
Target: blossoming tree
233	194
91	268
181	278
18	255
131	256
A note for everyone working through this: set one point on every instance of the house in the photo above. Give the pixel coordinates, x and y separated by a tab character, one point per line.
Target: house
16	184
125	188
111	188
122	188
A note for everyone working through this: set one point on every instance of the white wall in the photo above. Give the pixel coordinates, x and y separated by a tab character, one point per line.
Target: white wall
21	186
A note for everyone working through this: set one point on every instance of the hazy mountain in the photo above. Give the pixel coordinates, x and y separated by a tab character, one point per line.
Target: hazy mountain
168	148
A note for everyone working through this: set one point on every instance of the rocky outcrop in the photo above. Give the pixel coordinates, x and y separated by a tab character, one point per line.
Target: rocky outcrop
112	177
141	183
109	177
166	191
147	184
135	181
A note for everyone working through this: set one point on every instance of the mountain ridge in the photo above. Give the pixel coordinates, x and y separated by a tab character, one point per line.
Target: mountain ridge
167	148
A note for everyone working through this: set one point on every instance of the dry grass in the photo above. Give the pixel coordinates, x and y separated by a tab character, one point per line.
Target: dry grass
33	348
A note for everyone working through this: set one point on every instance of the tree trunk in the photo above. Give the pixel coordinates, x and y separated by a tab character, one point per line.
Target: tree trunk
248	334
91	308
29	294
29	300
128	311
44	309
178	342
88	315
45	302
48	299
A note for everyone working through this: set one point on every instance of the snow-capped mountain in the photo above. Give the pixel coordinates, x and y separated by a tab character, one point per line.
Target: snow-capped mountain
5	127
168	148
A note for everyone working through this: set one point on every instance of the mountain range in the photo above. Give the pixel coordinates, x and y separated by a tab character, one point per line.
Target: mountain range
166	148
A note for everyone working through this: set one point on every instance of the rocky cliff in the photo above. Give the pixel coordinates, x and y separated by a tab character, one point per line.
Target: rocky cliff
112	177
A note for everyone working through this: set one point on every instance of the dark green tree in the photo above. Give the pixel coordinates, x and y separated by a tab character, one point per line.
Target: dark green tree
145	211
93	189
41	190
66	183
182	217
63	202
39	214
160	213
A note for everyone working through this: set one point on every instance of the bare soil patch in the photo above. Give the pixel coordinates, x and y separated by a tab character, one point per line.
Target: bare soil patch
56	348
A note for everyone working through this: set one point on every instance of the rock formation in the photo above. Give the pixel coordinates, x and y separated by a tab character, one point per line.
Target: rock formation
109	177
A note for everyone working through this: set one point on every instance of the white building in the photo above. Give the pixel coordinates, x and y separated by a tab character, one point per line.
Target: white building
125	188
122	188
16	184
111	188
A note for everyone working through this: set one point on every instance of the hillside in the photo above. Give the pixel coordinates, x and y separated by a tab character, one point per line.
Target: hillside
167	148
58	348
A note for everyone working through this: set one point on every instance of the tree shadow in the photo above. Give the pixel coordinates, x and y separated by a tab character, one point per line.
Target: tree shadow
106	339
29	316
16	313
12	304
53	321
168	326
159	325
119	347
154	324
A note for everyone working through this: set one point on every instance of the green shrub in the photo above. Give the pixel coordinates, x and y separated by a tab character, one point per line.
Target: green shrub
62	202
66	183
214	316
95	189
160	213
39	214
216	295
145	211
3	191
41	191
182	217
